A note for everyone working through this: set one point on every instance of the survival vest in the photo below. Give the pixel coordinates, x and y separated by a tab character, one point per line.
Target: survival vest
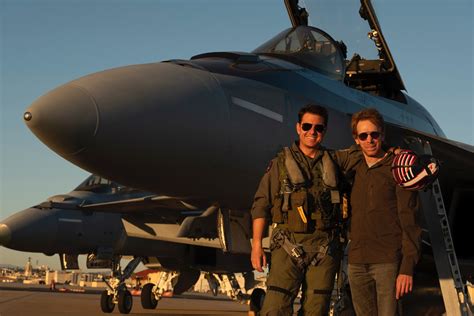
307	204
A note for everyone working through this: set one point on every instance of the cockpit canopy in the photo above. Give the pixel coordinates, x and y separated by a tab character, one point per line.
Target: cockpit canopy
309	47
97	184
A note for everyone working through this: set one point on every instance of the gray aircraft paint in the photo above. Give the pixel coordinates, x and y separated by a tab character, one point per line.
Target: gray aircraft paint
140	131
84	226
175	128
393	112
257	109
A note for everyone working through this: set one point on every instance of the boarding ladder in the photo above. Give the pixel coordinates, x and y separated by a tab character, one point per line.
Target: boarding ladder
452	287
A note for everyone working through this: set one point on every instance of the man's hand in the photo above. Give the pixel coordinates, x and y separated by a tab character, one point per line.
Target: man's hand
258	257
404	285
259	260
395	150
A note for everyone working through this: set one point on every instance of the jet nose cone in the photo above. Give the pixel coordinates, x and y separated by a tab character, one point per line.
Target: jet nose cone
65	119
5	235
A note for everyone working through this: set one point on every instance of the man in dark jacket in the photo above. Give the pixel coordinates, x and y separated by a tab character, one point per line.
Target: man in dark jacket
384	233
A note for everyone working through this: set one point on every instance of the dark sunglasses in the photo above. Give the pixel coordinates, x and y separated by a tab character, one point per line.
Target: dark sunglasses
374	135
308	126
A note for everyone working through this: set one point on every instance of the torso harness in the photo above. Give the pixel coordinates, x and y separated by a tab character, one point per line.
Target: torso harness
305	205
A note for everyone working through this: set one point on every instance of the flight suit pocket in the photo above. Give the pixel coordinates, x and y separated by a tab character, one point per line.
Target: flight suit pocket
298	218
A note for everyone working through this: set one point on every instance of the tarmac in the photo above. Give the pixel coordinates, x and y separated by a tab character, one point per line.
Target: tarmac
18	300
14	302
38	300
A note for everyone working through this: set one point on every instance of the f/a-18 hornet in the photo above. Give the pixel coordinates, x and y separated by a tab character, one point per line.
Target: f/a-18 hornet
201	131
106	221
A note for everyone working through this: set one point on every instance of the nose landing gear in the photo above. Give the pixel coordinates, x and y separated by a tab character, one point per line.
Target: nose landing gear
117	292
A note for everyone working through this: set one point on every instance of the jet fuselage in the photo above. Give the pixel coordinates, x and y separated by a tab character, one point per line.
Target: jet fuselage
204	128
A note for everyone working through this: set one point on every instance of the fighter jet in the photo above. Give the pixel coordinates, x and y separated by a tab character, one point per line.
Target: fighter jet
204	129
207	127
107	221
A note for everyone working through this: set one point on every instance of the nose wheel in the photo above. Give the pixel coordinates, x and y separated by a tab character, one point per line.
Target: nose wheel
117	293
125	301
107	304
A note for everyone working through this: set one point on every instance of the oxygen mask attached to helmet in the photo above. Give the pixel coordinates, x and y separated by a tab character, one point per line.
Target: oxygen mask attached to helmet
414	172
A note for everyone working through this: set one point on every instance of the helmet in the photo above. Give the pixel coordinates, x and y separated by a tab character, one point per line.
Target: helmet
413	172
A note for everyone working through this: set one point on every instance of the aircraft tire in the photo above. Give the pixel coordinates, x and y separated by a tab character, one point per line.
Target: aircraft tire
256	300
148	298
106	302
125	301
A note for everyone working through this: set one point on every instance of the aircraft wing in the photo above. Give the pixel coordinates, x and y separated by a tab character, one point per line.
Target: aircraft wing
215	228
166	232
456	158
148	203
134	205
457	163
456	181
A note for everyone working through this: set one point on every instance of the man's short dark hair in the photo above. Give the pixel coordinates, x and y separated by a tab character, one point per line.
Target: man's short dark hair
314	109
369	114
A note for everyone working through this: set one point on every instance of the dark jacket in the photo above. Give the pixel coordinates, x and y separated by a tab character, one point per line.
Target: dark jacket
384	226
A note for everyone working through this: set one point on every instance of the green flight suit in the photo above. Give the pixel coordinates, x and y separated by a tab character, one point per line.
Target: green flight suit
317	281
285	278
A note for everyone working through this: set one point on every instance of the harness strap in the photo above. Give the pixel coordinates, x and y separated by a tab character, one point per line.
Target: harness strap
328	171
292	178
322	292
301	255
294	171
279	289
286	201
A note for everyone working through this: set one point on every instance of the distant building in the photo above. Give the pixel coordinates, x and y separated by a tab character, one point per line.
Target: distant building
62	277
28	268
146	276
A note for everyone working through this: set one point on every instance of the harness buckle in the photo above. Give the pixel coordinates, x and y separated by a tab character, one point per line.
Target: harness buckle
297	252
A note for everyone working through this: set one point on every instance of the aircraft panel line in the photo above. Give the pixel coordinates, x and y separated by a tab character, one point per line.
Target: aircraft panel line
70	220
258	109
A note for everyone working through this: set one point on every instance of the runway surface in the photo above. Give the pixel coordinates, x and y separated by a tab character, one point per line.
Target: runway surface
36	303
28	300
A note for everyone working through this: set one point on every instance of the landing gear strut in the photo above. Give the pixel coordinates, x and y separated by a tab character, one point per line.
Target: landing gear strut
213	283
117	292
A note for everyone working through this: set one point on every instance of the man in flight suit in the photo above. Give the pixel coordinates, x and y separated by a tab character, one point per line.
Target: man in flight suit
300	194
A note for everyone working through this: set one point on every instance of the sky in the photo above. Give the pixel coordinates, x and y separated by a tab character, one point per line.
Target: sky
45	43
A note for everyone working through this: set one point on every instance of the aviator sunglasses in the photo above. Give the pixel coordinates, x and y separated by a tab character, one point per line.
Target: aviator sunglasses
374	135
308	126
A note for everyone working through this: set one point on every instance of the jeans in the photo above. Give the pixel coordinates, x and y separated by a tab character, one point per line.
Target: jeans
373	288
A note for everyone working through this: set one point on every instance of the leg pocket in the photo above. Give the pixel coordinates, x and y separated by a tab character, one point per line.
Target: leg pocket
283	284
